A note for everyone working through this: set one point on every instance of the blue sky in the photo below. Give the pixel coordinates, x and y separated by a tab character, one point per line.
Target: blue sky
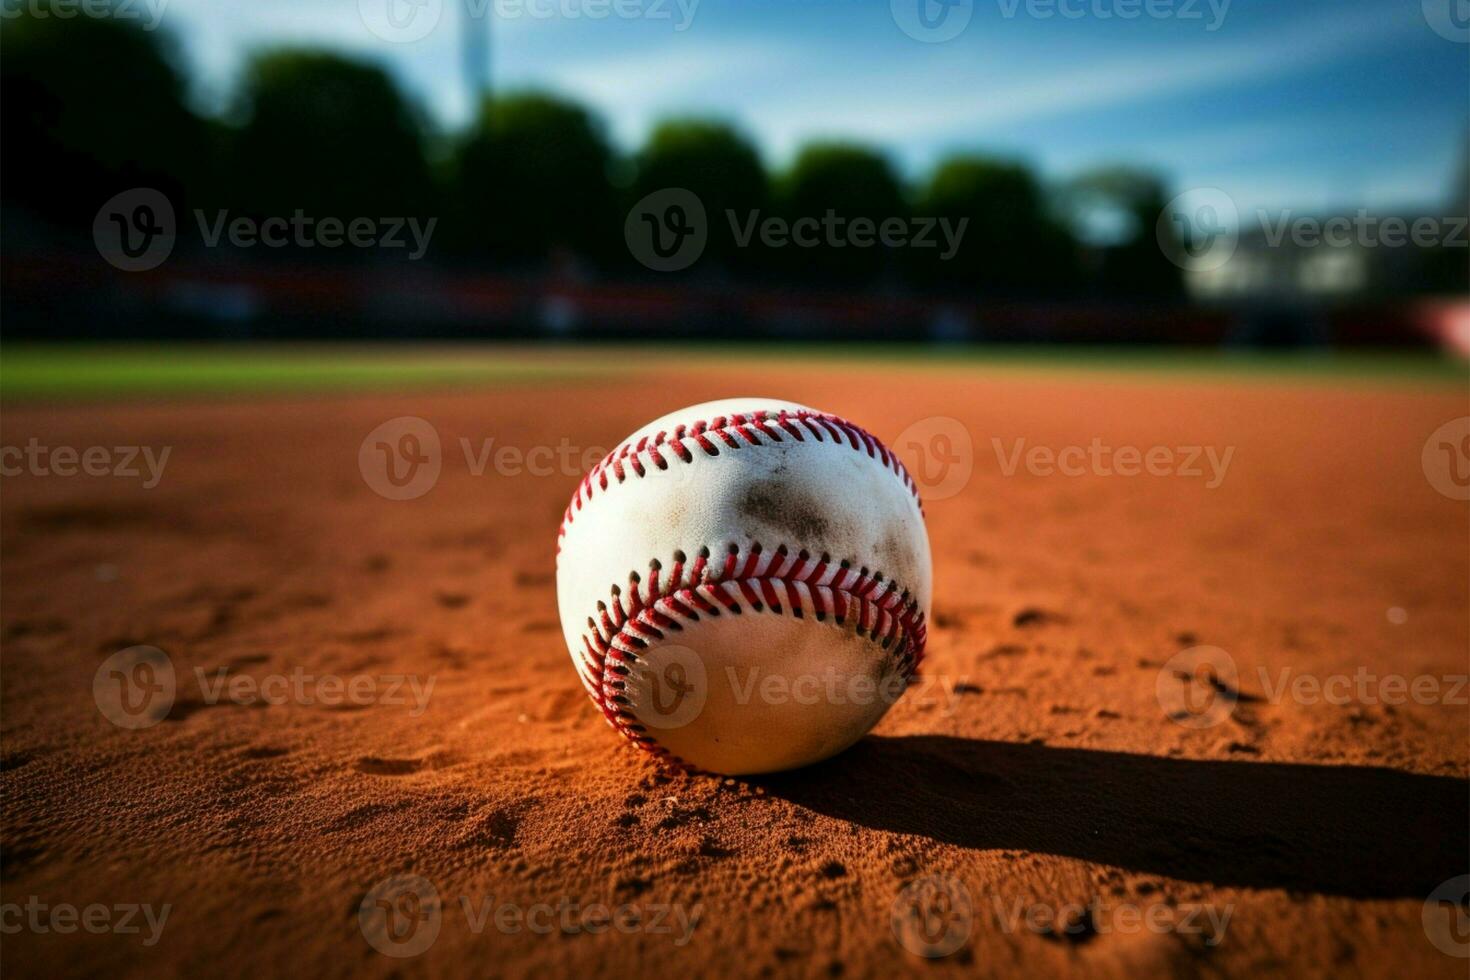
1282	103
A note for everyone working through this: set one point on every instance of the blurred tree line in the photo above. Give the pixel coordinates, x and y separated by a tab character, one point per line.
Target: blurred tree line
92	106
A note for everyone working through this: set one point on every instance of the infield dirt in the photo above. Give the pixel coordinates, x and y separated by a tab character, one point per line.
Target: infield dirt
1035	767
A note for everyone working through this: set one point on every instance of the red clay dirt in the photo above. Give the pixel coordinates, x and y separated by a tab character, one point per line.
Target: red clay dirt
1034	768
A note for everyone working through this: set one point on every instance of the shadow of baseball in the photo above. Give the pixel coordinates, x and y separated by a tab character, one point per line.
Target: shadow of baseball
1343	830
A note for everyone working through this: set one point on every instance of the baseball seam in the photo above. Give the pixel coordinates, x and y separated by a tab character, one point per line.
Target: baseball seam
735	431
779	581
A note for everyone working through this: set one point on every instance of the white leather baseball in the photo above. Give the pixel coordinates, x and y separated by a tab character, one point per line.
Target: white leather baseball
744	585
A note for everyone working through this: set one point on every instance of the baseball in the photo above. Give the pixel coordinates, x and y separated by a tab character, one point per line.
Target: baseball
744	585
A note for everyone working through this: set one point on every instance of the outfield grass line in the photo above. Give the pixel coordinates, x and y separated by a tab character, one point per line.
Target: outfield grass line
1395	367
87	373
90	372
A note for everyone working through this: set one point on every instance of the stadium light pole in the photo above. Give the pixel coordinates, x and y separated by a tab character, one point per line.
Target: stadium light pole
475	40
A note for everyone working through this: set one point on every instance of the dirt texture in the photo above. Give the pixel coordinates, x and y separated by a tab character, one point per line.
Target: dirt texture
1038	796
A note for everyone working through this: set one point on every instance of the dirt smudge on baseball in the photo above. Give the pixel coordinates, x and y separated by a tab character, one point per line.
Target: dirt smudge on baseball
896	556
797	516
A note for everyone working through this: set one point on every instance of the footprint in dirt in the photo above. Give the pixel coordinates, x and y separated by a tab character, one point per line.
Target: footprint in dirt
1034	617
493	829
533	580
562	704
377	766
264	752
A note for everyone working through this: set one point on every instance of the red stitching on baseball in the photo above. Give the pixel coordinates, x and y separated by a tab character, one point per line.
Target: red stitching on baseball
778	582
775	426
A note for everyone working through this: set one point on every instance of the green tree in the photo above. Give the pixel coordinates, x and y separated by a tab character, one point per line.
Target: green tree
531	177
718	165
326	134
90	106
1125	203
1010	245
835	184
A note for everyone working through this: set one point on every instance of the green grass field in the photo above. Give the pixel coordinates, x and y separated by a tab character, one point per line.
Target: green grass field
81	371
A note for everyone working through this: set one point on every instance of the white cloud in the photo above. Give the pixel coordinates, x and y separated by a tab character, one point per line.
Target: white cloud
905	104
